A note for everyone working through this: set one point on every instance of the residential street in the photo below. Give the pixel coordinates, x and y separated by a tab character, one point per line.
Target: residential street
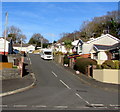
58	89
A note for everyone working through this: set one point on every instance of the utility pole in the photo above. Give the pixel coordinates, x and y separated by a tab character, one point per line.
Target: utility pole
41	42
5	34
21	43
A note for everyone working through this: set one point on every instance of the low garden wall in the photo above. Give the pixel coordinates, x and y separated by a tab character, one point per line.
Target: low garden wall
5	65
59	59
9	73
107	75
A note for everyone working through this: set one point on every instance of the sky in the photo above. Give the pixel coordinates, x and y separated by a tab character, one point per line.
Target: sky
51	19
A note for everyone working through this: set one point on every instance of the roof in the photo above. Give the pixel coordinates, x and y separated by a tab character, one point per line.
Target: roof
23	45
115	46
2	39
101	47
75	43
102	36
107	47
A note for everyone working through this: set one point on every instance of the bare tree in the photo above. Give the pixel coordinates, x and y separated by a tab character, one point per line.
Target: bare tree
15	34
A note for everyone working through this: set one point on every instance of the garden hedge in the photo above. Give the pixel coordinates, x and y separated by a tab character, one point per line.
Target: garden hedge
82	63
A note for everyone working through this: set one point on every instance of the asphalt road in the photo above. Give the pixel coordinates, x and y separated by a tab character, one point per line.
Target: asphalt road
58	89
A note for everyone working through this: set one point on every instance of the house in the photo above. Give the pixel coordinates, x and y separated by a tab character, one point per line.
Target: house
60	47
77	46
2	47
25	47
105	40
106	52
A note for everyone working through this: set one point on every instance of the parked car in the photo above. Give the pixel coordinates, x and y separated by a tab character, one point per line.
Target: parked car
30	51
15	51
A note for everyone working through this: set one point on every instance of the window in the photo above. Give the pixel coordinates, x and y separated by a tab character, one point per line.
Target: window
95	55
48	53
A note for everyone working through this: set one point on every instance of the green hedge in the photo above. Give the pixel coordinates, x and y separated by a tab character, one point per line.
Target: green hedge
82	63
109	64
66	60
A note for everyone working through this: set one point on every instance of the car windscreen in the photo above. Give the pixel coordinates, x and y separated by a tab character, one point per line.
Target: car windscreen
48	53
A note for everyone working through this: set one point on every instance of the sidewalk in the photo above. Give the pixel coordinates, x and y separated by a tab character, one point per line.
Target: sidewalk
12	86
94	83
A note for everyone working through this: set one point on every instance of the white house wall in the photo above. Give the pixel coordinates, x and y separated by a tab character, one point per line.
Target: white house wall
2	45
102	56
106	40
31	47
26	49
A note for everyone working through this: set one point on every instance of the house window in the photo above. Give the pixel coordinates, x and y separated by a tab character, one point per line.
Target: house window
80	49
95	56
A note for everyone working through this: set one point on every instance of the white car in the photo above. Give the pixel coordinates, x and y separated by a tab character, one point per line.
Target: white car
47	54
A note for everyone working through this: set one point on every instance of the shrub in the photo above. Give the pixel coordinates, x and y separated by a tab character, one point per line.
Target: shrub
108	64
66	60
98	67
58	53
117	64
82	63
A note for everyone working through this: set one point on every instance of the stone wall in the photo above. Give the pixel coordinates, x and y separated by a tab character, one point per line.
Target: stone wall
10	73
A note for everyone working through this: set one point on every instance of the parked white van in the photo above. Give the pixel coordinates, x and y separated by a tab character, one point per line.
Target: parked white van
46	54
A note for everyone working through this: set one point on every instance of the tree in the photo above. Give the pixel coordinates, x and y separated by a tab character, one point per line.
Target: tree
16	34
108	23
37	38
22	38
68	45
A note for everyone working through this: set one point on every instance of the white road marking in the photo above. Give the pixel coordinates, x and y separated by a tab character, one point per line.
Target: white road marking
19	105
117	107
114	105
78	95
82	107
3	106
39	106
54	74
65	84
30	61
82	98
98	105
60	106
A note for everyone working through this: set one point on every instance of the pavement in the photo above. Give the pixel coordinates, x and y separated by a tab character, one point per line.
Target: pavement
13	86
94	83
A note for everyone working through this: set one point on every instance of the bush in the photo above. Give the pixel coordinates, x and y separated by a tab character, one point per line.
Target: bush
98	67
66	60
108	64
82	63
117	64
58	53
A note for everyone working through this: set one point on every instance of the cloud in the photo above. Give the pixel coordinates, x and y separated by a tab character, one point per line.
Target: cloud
50	34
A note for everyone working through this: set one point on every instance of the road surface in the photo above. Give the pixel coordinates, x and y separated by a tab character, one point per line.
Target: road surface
58	89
